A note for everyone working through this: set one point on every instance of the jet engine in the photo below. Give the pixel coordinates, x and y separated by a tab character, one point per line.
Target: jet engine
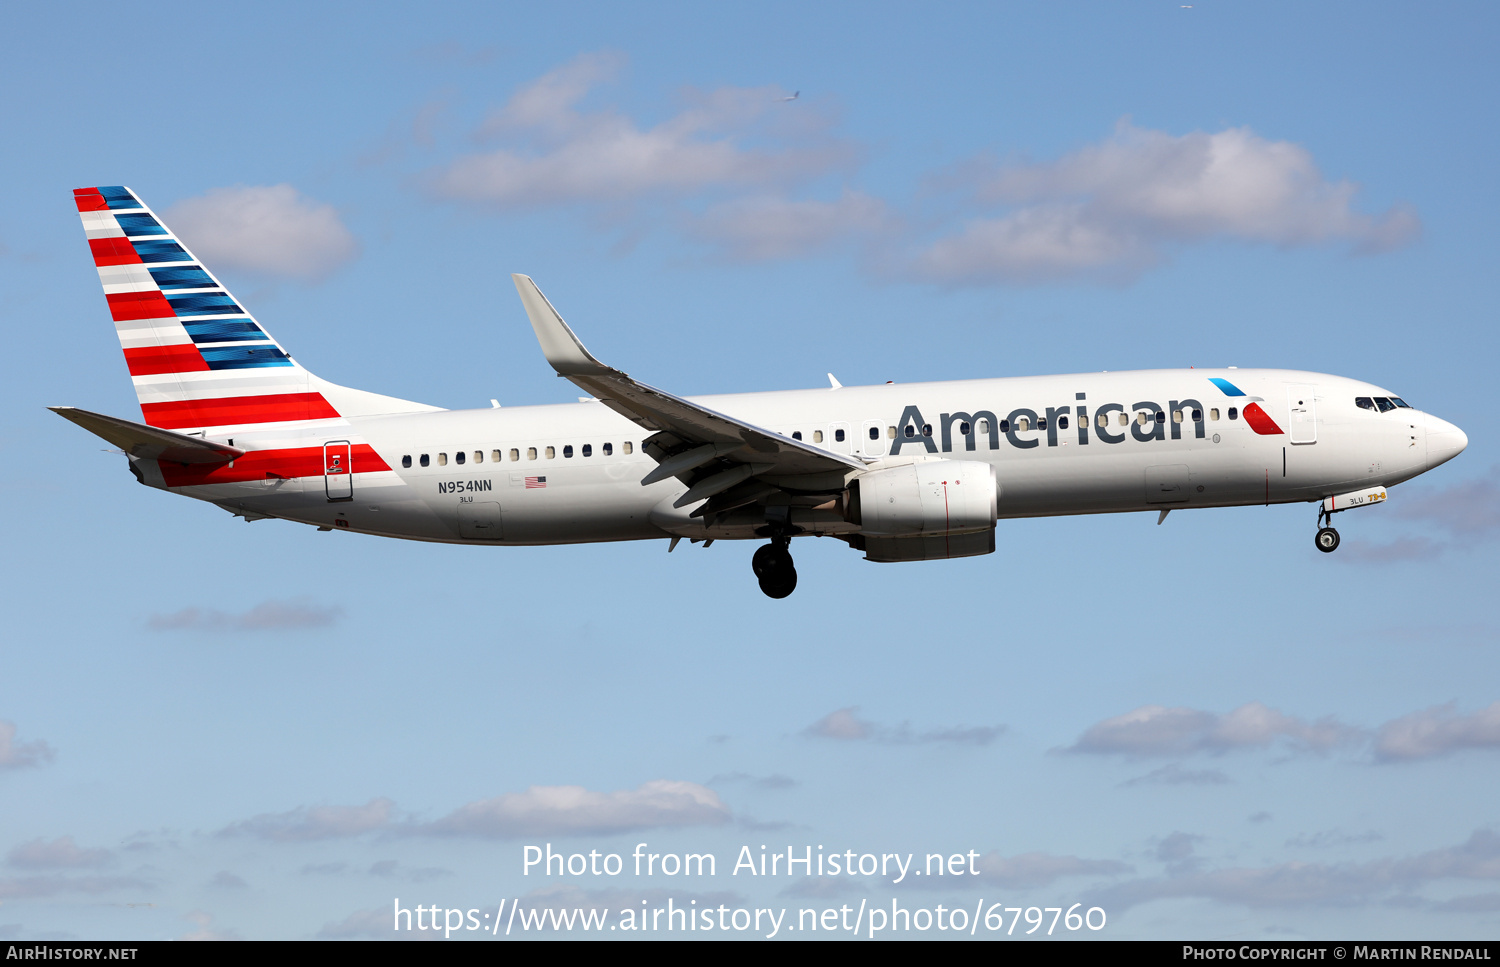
931	497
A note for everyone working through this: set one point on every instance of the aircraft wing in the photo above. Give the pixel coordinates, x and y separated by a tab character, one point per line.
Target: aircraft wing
699	446
149	442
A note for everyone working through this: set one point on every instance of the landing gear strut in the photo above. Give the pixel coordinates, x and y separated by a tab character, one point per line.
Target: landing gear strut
772	564
1327	539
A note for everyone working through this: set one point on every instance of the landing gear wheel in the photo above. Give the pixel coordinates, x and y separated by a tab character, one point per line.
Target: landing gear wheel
769	558
779	583
1327	540
772	564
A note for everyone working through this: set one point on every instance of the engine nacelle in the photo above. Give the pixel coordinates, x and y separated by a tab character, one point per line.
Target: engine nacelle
926	498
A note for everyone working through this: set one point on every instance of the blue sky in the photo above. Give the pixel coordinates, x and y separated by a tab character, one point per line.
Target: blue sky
1207	728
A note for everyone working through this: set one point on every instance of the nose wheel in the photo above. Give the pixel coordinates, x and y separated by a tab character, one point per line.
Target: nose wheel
772	565
1327	539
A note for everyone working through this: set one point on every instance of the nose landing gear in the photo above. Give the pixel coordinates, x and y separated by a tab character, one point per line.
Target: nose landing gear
772	564
1327	539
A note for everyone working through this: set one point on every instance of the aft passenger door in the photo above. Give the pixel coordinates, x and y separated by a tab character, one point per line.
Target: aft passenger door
338	474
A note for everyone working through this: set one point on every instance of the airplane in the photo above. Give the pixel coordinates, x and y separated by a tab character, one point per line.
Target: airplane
900	471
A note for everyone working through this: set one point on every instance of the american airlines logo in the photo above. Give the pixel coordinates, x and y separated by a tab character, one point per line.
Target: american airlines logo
1151	421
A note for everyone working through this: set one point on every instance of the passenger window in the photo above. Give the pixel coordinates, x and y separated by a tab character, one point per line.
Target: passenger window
927	429
1140	418
568	452
890	433
1004	426
458	458
1161	416
1364	402
1176	416
964	428
796	434
875	433
406	461
1022	425
984	426
838	436
423	460
1234	413
1062	422
479	456
1213	414
1197	416
1124	418
1101	420
514	454
817	436
1041	424
442	459
588	449
552	453
910	431
531	453
608	449
497	455
626	446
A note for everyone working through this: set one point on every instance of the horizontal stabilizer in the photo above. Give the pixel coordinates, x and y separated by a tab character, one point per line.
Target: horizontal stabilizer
149	442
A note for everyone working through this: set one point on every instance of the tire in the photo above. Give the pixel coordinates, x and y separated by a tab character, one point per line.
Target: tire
769	558
1327	540
779	583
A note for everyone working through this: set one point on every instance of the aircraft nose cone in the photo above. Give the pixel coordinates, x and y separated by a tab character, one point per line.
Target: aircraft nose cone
1444	441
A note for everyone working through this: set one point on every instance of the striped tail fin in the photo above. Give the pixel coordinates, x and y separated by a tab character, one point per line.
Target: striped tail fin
199	360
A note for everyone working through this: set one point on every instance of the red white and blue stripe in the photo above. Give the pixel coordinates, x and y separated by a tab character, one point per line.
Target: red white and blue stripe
199	360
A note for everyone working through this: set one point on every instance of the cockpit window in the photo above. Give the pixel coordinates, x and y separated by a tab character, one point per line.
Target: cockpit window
1364	402
1385	405
1400	402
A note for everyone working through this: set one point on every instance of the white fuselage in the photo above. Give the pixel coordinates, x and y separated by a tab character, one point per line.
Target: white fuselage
519	475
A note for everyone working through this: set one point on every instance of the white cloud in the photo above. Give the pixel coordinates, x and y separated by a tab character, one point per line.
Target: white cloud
266	616
763	227
205	928
271	230
15	888
1438	731
842	724
316	822
845	724
558	810
1156	730
1173	774
375	922
1295	884
1468	511
1039	869
555	153
19	755
1111	209
58	854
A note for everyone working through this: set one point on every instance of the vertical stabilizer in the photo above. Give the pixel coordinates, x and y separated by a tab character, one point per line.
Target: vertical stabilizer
199	360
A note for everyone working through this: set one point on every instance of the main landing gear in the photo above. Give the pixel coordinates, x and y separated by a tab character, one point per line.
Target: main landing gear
772	564
1327	539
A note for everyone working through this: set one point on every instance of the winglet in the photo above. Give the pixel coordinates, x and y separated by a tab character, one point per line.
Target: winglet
559	345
